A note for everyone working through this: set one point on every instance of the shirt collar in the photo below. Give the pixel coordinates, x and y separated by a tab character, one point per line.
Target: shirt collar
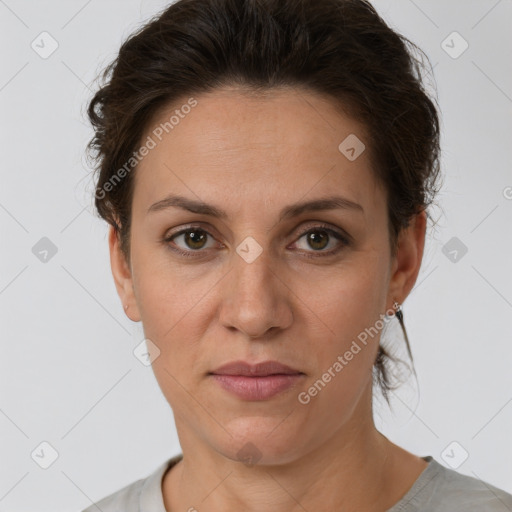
151	496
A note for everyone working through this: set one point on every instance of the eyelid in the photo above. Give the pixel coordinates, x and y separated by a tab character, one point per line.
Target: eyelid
341	235
343	238
168	238
320	225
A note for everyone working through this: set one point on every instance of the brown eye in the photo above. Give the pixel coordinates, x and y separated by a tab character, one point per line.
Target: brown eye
317	241
188	241
195	238
318	238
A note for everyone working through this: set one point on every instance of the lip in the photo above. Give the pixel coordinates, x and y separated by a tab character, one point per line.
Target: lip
262	369
257	388
260	381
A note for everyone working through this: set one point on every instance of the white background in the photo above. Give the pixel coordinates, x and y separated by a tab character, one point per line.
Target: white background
67	372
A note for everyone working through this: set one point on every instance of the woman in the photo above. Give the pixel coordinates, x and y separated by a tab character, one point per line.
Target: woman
266	168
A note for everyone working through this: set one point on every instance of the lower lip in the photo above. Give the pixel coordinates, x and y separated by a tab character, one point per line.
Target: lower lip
257	388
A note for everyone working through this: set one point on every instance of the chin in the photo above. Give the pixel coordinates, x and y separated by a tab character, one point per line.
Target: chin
261	440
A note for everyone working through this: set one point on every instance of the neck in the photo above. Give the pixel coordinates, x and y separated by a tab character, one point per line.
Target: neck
356	469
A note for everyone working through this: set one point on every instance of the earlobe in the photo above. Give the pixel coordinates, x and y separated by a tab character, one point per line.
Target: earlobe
408	258
122	275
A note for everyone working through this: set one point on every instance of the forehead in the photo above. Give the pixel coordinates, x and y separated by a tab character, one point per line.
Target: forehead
262	147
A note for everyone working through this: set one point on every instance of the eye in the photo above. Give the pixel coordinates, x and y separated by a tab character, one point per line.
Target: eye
193	240
321	236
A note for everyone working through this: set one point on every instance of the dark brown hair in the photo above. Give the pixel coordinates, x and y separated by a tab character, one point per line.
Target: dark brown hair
341	49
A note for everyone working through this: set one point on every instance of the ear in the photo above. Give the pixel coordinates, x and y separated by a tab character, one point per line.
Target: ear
122	276
407	262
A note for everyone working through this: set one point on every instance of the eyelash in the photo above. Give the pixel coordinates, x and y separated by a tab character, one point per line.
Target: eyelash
320	227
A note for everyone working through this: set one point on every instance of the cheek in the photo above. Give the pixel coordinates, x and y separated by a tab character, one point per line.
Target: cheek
352	308
352	297
165	294
175	312
349	308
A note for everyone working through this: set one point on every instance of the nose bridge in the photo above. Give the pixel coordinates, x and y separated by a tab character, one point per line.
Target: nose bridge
254	301
253	271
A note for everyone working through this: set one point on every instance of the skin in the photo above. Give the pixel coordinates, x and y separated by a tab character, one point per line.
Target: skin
252	156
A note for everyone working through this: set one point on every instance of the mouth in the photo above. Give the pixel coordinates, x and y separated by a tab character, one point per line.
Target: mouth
261	381
263	369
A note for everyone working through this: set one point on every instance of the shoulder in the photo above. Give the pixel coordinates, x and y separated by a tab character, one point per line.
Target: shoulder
143	494
123	500
439	489
470	494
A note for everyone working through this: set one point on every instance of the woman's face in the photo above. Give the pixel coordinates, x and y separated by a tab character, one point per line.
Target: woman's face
263	281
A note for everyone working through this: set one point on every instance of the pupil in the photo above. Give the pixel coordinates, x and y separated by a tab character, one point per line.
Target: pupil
194	238
313	236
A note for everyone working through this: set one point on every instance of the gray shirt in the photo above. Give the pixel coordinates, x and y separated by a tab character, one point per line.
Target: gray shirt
437	489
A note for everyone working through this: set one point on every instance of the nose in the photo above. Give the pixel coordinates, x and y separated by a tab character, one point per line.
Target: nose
255	300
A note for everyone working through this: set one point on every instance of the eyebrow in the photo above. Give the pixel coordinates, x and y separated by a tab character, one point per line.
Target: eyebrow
293	210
